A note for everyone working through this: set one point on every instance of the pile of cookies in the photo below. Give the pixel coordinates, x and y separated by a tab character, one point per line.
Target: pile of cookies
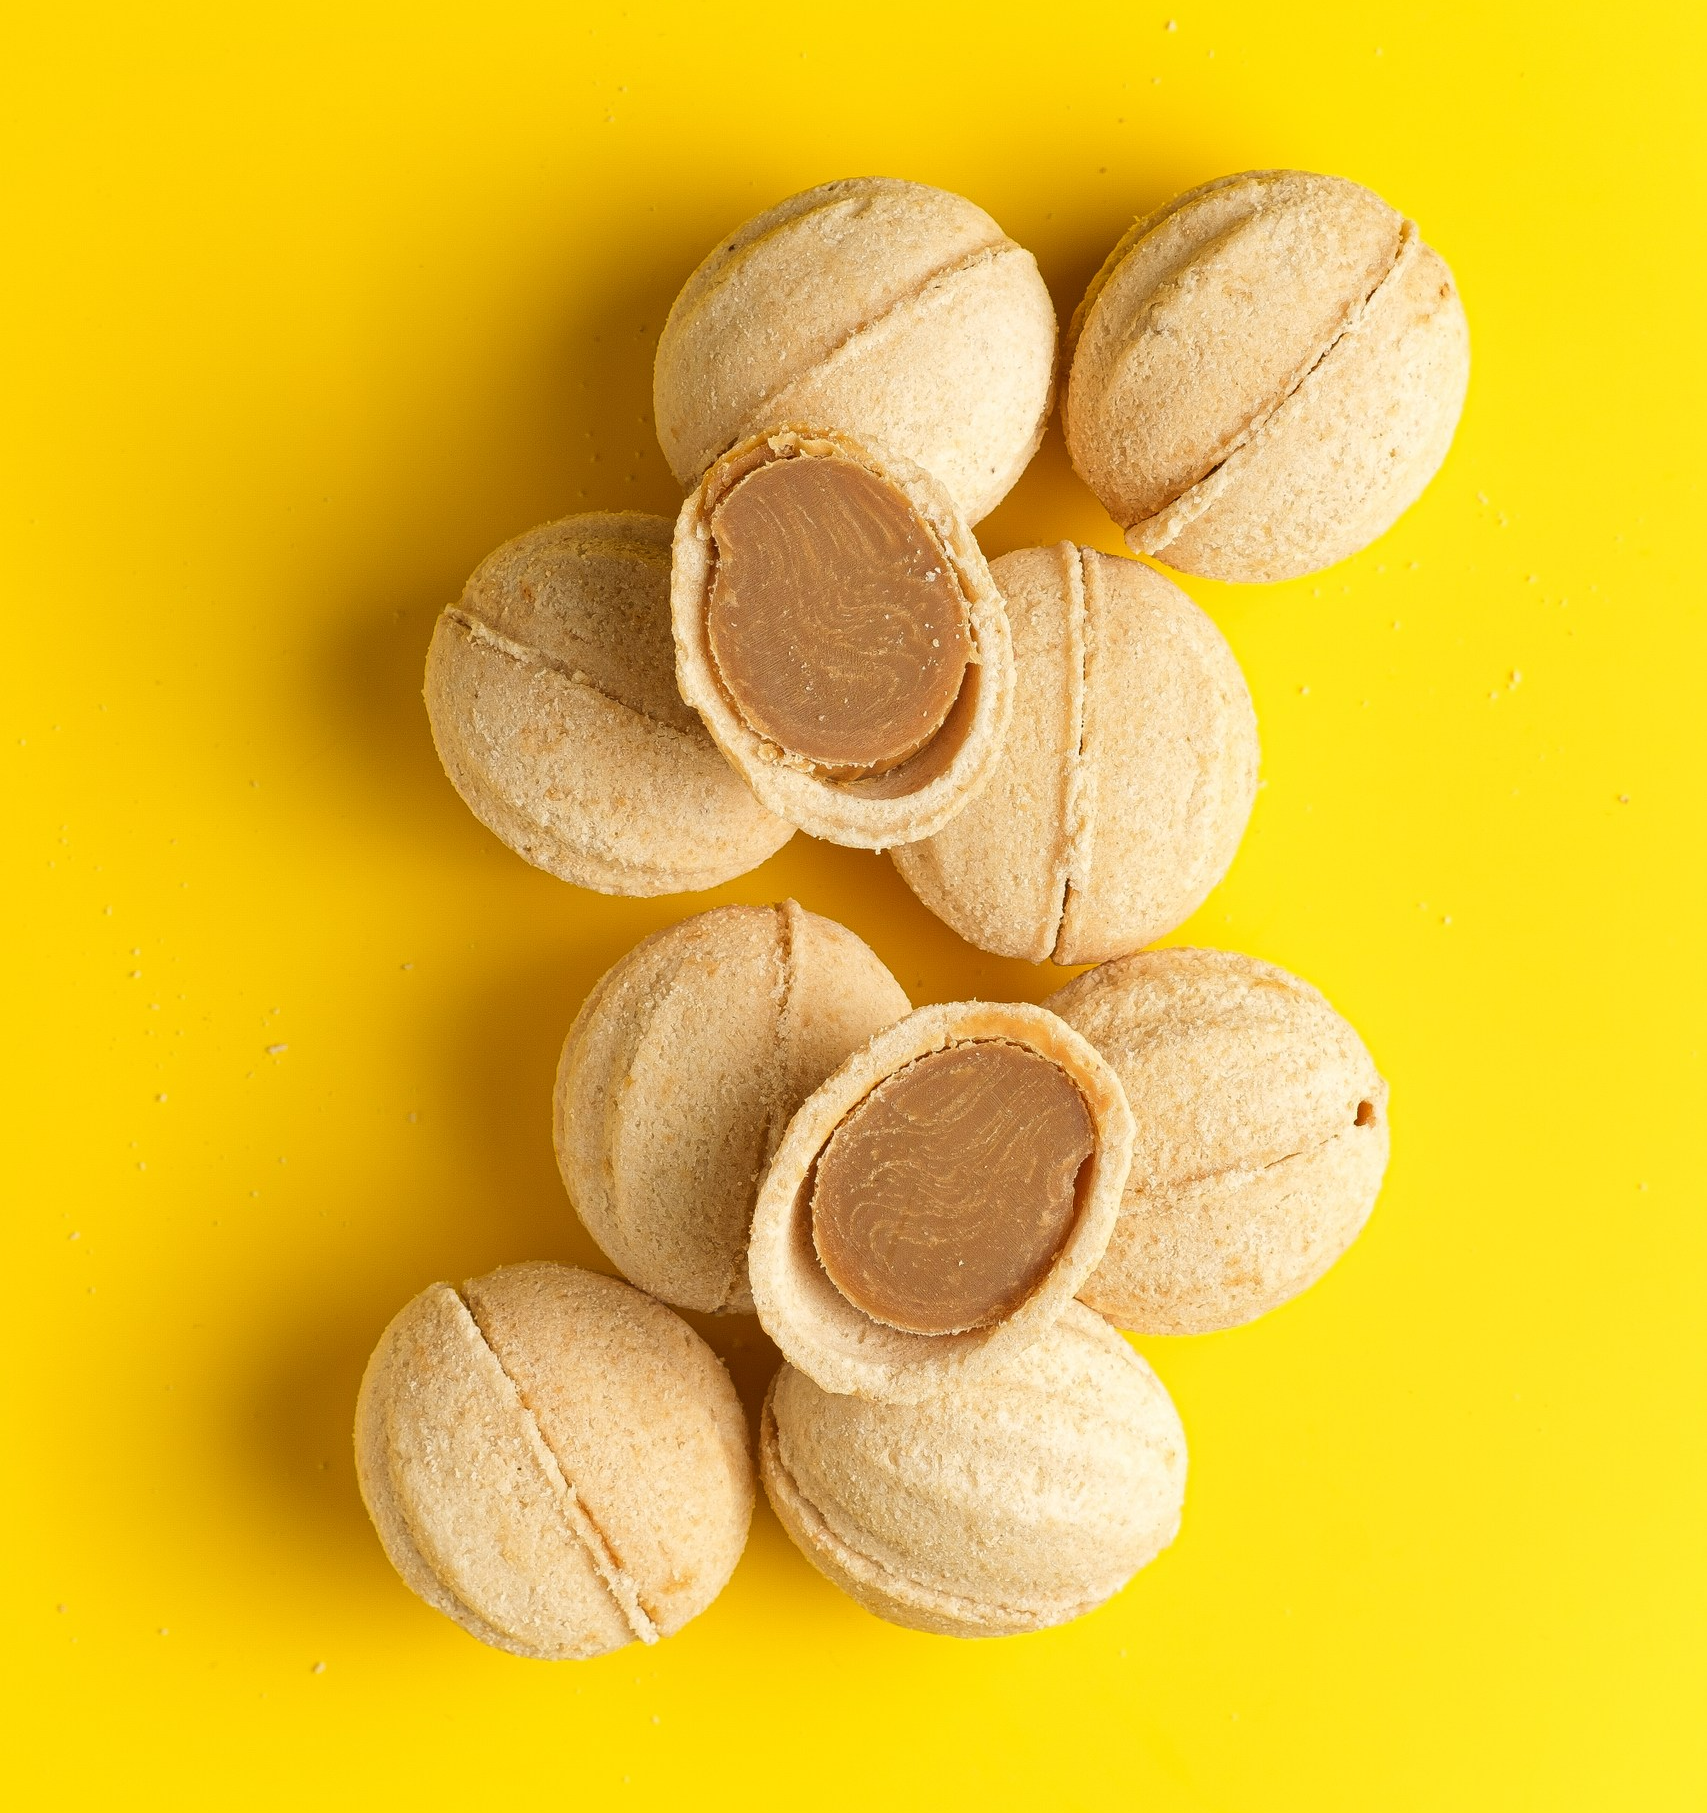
940	1216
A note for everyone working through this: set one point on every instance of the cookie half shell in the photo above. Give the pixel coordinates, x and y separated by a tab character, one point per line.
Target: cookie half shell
842	1347
923	792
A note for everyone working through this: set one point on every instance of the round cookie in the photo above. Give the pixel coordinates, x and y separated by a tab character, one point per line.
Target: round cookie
925	1157
1261	1136
841	637
552	696
1126	779
553	1460
1264	375
897	313
681	1072
1020	1502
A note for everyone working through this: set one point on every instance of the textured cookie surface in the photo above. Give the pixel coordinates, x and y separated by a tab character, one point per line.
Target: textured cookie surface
1020	1502
1265	373
838	1344
900	314
681	1072
1126	779
553	1460
552	696
1261	1136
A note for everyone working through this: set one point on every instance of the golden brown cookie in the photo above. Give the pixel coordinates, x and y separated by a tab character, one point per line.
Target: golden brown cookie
1261	1136
839	633
900	314
918	1160
552	695
1264	374
681	1072
1018	1501
553	1460
1127	775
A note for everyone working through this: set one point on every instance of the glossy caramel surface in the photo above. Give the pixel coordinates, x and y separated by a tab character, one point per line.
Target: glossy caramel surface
942	1200
837	624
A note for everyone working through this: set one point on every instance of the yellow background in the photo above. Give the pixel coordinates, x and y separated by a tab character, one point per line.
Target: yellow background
311	306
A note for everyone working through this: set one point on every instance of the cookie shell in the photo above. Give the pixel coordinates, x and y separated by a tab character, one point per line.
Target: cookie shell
900	313
551	692
553	1460
1261	1136
681	1072
1012	1504
837	1345
925	792
1126	778
1264	375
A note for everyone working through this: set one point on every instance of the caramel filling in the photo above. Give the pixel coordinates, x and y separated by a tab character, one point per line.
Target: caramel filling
942	1200
838	626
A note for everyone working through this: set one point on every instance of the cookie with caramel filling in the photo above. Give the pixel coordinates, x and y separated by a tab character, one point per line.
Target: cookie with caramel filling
942	1200
838	632
938	1200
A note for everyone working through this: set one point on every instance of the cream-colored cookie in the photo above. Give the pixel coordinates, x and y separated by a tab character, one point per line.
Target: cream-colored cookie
1127	775
938	1200
554	1460
1008	1504
839	633
1264	375
900	314
1261	1136
552	695
681	1072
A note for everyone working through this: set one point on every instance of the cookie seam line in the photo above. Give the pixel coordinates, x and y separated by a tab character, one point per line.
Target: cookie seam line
1183	510
575	1513
864	330
784	912
1144	225
732	245
1080	803
902	1586
1225	1171
526	655
788	974
630	546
